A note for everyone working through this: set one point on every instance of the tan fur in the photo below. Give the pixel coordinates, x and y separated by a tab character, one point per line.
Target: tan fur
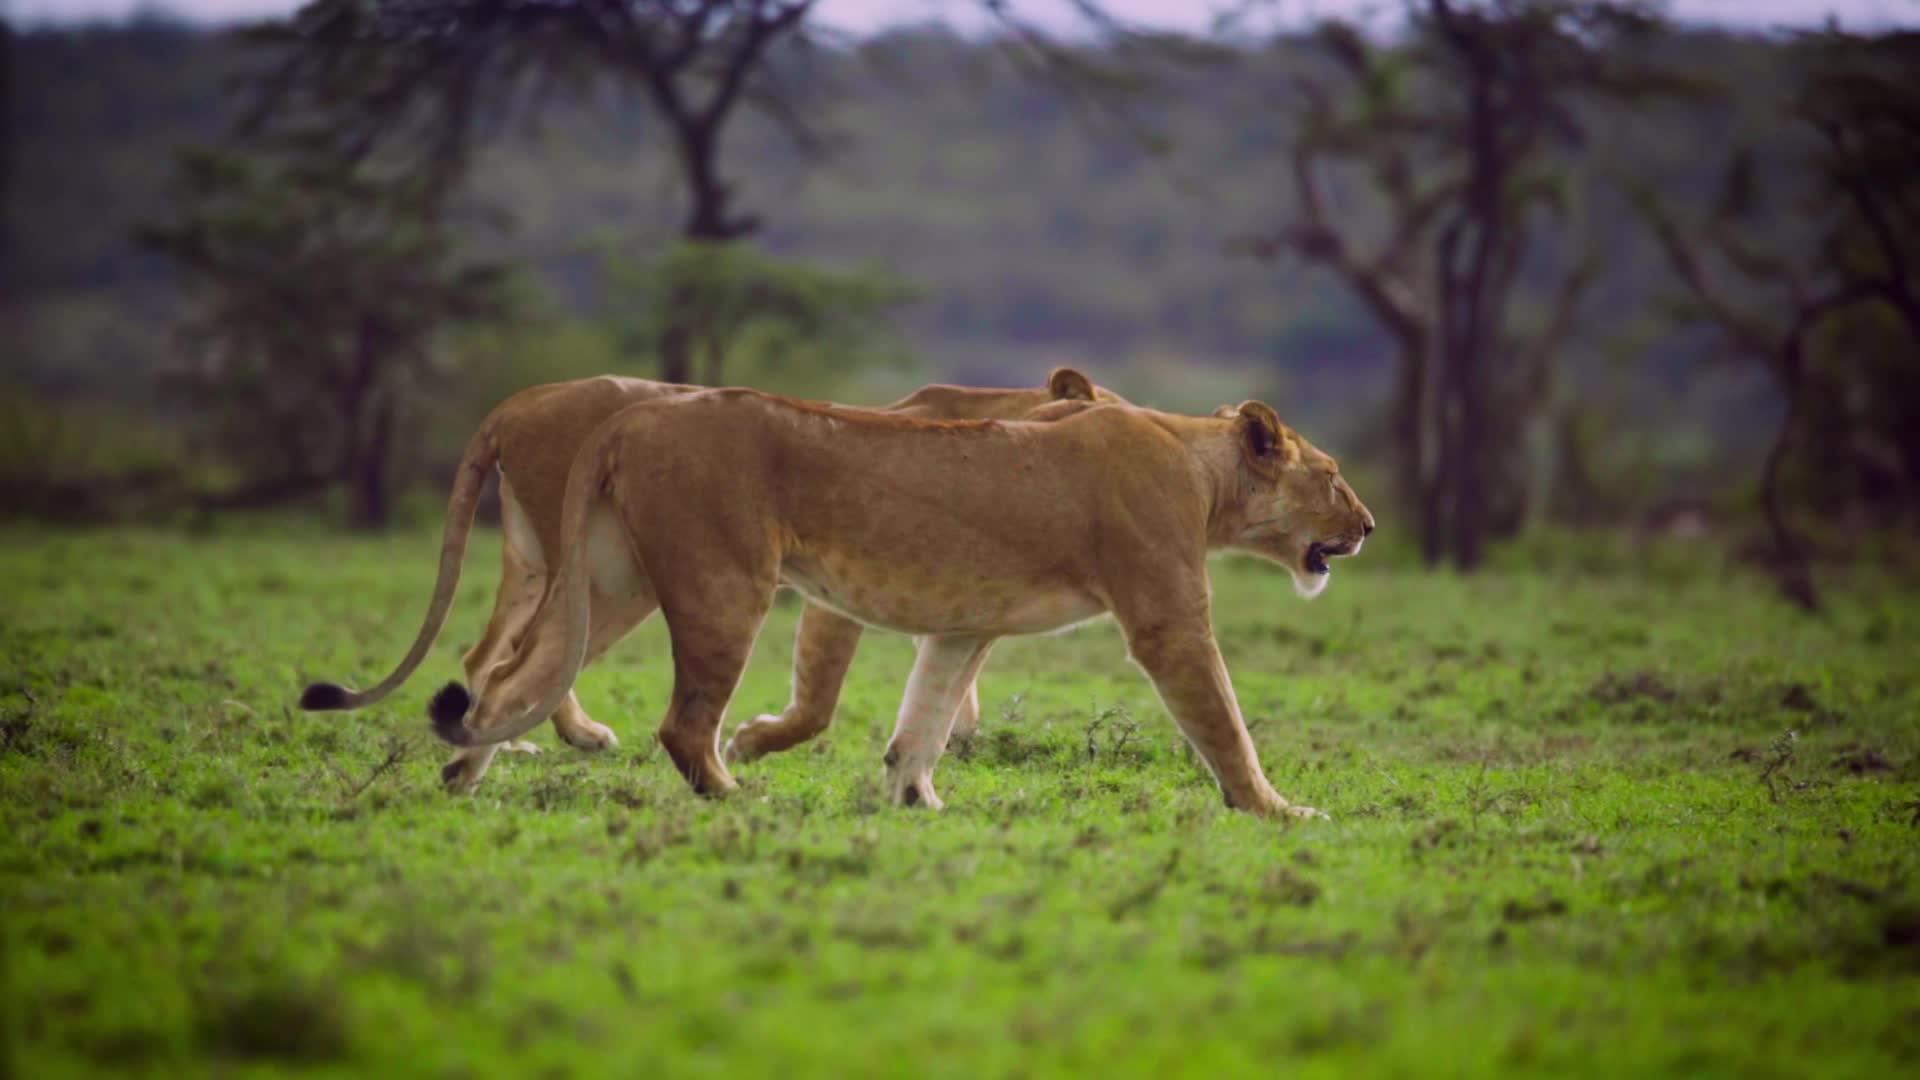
532	437
960	532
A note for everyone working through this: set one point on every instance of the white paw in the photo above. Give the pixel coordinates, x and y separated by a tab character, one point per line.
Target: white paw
588	735
519	746
733	753
914	790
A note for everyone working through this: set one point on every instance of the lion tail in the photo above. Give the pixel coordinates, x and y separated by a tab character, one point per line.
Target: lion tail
536	672
482	453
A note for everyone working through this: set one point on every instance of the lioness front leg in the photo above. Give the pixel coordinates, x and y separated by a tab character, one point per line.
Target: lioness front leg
943	672
823	648
1185	666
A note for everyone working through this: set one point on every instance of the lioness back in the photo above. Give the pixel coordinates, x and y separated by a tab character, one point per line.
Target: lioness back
539	429
909	524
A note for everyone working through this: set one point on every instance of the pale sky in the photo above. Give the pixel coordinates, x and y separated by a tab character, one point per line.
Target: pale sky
866	15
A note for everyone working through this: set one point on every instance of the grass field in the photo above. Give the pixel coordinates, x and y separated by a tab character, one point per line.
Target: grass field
1569	832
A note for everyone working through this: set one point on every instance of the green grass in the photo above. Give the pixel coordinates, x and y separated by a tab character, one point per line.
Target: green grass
1568	833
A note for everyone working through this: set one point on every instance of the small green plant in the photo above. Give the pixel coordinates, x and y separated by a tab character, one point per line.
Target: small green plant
1779	754
1109	733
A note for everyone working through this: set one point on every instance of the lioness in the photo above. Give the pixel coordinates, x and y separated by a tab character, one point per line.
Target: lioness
532	437
961	532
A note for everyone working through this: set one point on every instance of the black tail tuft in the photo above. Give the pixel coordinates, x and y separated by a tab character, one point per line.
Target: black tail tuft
448	710
323	697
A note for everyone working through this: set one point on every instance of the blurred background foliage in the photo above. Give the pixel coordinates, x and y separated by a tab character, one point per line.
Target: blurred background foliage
752	319
1697	272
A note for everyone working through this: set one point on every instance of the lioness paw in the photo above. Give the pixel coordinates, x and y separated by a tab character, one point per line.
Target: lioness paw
915	791
744	745
463	773
767	734
589	735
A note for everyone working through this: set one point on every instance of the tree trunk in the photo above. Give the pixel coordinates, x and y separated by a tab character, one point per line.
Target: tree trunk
1472	476
369	492
356	394
1449	461
707	224
1791	568
1469	344
1437	485
676	360
1472	310
1407	418
1419	433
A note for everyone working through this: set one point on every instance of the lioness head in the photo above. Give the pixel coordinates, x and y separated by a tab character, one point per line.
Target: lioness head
1299	510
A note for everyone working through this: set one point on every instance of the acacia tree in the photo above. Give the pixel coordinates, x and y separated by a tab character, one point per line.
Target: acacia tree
1838	333
724	295
320	294
420	83
1458	131
1378	131
1862	97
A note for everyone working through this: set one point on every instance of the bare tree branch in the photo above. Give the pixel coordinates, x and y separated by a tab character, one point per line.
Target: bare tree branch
1536	359
1750	331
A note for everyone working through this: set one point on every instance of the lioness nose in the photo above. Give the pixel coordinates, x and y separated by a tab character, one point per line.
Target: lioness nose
1367	529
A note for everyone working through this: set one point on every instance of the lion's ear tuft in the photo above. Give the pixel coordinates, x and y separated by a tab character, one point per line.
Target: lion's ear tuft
1066	384
1264	436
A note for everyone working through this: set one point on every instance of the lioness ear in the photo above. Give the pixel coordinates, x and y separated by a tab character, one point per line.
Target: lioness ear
1066	384
1264	436
1226	412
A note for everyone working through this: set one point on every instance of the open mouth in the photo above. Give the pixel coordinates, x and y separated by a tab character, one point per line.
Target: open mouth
1316	560
1318	553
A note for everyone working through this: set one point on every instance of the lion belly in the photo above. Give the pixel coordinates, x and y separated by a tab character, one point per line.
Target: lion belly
908	599
610	561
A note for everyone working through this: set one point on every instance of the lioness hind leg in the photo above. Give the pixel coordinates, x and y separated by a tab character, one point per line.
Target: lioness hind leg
823	648
712	622
463	773
702	685
522	579
580	731
613	619
943	672
966	718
